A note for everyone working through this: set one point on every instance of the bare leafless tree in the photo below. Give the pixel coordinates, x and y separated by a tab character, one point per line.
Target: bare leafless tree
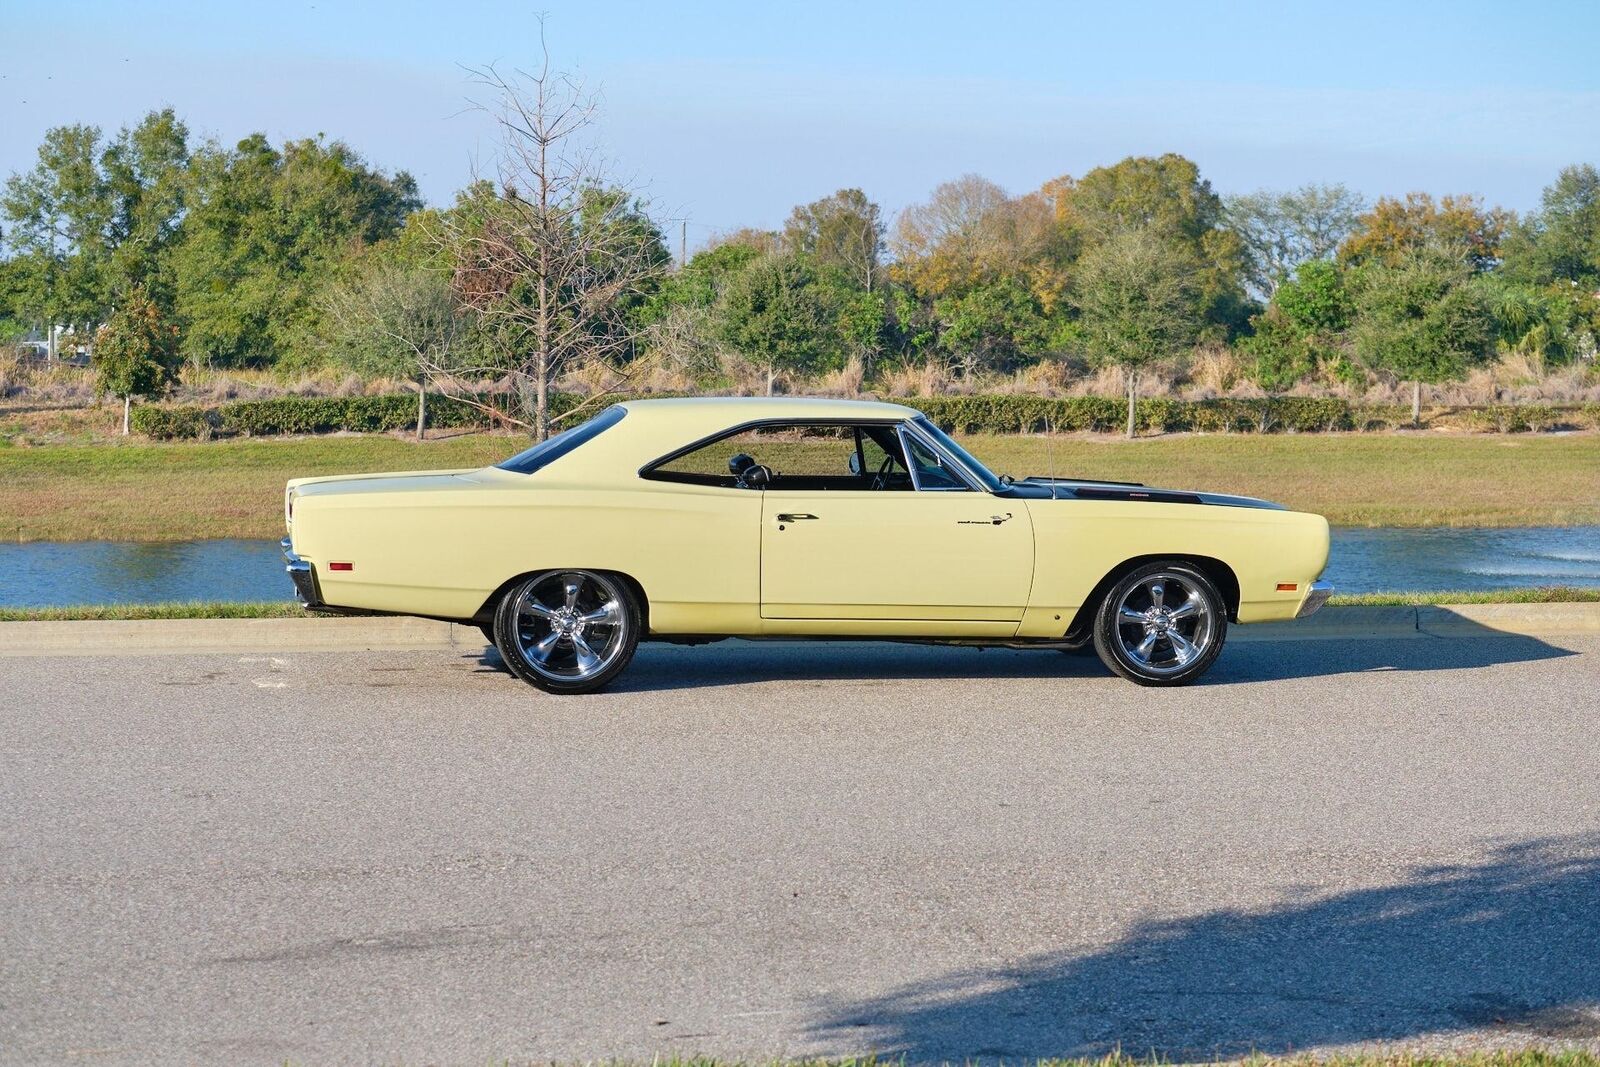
549	254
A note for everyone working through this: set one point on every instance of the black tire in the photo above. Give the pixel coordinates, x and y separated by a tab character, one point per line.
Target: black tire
1158	627
525	621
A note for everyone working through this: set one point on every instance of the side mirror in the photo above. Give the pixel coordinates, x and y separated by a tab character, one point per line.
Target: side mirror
756	477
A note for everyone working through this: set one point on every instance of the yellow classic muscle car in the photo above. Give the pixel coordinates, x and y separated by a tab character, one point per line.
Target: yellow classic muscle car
698	519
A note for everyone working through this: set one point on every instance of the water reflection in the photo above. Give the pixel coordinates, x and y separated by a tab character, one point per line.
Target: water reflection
44	574
1377	560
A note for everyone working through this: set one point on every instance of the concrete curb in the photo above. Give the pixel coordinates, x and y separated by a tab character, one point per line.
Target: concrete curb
156	637
1442	620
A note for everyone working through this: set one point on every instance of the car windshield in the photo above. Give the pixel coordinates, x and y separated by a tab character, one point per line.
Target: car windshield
546	452
965	458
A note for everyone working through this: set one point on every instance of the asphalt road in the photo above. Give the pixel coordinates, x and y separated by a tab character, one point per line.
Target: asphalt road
773	850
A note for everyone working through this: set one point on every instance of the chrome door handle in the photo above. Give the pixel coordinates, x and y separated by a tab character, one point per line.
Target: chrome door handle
794	516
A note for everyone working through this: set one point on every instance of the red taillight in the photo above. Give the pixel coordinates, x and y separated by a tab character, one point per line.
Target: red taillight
1283	587
341	566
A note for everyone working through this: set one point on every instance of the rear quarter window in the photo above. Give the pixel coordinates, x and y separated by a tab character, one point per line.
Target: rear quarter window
547	452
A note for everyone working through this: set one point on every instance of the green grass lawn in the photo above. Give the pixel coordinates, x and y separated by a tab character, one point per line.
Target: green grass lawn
1353	479
156	492
278	609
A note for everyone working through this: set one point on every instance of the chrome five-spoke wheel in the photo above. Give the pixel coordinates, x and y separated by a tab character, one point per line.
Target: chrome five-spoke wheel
1162	624
568	631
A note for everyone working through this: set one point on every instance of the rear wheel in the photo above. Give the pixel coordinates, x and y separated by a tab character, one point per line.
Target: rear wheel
1162	624
568	631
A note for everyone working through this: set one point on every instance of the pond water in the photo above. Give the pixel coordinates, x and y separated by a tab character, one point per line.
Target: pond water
47	574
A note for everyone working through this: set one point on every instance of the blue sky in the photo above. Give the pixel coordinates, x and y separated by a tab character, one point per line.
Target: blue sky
727	114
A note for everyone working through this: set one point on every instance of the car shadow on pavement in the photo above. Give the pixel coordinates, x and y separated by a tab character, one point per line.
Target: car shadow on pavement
736	662
1506	946
1272	661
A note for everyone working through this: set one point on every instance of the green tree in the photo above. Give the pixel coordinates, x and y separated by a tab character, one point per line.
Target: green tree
265	232
1301	328
135	352
842	231
775	315
91	222
1561	241
1135	295
146	171
862	326
1317	300
1280	352
991	326
59	216
1424	318
698	283
1166	198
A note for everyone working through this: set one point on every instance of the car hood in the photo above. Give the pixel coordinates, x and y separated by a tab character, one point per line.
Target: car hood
1079	489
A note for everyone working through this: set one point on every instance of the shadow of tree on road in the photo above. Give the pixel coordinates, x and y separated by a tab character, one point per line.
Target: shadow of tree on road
1511	944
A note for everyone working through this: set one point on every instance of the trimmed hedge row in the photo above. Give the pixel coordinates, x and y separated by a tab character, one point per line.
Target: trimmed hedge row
303	414
1035	414
999	414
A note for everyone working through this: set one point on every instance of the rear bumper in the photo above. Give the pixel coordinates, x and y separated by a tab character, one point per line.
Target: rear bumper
303	575
1316	596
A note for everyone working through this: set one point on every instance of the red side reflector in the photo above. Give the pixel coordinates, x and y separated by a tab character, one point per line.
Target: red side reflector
1283	587
352	566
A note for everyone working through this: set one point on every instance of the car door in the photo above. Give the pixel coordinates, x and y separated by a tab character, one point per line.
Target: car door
941	550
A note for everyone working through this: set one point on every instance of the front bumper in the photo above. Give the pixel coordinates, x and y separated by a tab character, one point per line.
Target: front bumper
303	575
1316	596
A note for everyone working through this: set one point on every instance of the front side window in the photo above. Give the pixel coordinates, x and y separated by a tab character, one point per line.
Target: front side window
984	475
929	468
548	451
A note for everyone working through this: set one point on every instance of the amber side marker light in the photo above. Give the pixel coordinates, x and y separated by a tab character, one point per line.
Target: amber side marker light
352	566
1283	587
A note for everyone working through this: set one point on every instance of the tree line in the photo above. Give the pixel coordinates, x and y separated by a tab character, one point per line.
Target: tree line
166	253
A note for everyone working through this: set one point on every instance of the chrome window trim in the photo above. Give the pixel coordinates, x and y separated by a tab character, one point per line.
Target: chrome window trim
908	428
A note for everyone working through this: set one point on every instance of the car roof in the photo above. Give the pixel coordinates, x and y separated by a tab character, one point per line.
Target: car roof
653	428
747	408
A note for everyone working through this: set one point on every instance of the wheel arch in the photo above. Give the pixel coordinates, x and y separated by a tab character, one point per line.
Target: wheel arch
1221	575
485	612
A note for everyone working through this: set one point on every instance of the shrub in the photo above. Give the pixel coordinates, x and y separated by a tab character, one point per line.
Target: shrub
166	424
985	414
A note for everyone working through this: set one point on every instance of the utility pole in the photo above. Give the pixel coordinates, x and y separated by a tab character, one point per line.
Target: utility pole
683	244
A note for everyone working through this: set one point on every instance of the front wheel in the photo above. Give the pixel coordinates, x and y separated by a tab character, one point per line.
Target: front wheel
568	631
1162	624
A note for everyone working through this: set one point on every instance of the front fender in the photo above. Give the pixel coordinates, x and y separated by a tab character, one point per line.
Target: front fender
1077	543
